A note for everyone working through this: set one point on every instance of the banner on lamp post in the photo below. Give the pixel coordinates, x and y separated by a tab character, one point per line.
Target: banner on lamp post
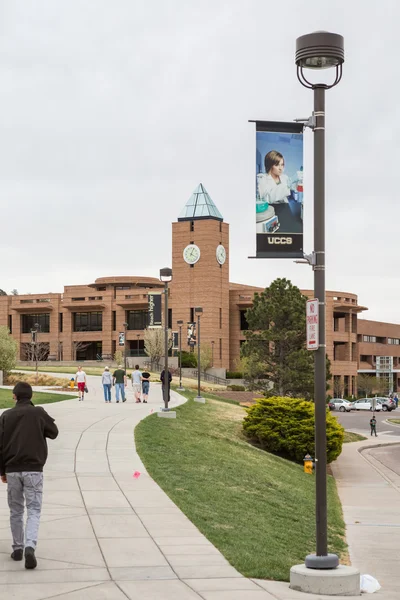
154	309
191	334
312	324
279	189
121	339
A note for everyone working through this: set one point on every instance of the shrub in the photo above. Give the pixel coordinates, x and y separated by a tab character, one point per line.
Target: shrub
42	379
189	360
234	375
237	388
285	426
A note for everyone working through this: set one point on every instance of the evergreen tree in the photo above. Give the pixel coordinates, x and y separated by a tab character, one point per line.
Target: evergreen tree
276	341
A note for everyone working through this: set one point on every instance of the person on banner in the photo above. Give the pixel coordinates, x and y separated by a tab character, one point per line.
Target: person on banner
273	186
80	379
166	381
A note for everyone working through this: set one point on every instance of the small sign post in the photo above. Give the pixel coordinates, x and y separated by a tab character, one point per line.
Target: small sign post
312	319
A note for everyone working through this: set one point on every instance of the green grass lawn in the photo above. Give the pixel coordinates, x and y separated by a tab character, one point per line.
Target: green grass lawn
6	399
73	370
256	508
394	421
349	436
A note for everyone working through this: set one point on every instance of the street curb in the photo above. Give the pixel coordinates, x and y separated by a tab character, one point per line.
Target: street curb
380	445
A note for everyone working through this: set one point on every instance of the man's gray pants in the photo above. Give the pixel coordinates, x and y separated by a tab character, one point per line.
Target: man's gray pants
26	486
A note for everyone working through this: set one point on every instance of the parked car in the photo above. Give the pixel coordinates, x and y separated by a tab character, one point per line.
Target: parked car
340	404
388	404
366	404
331	405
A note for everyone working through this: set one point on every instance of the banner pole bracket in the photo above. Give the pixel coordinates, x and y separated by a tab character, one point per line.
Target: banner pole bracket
309	259
310	122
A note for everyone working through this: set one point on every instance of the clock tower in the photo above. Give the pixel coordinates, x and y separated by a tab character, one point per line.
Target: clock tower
200	267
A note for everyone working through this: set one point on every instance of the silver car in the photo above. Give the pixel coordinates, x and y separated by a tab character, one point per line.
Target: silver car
367	404
342	405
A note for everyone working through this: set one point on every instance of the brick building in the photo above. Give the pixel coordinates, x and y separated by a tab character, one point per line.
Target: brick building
85	320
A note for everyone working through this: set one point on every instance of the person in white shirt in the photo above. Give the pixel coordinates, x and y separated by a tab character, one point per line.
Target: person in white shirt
80	379
106	380
137	383
273	185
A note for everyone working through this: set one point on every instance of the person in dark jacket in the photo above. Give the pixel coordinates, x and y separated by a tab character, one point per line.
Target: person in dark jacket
164	382
23	454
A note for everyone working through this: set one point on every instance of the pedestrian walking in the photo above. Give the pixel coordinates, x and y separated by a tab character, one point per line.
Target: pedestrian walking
396	399
119	380
137	383
80	379
372	424
106	380
23	454
145	385
166	381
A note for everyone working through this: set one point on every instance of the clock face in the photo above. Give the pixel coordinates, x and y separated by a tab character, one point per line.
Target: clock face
191	254
221	254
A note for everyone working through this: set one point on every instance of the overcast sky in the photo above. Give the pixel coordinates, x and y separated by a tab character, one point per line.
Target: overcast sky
112	112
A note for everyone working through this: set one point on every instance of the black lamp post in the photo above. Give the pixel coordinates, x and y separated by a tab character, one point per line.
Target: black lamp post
198	311
180	323
125	345
166	277
138	336
320	50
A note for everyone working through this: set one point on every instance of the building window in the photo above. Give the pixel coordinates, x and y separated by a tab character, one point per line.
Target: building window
220	349
60	322
114	347
170	318
101	289
137	319
220	226
95	297
369	338
10	323
114	320
192	315
26	301
28	322
191	225
244	326
393	341
220	318
78	299
123	287
88	321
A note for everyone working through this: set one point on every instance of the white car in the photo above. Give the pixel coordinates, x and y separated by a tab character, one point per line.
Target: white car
342	405
366	404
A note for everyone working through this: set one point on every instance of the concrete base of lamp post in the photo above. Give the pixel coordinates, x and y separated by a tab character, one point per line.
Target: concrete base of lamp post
180	389
342	581
200	399
166	414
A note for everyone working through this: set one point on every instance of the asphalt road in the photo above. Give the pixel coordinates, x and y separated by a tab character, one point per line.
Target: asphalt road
389	456
358	421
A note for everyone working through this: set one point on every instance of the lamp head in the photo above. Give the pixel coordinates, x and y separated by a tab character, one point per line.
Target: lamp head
166	274
198	310
180	322
319	50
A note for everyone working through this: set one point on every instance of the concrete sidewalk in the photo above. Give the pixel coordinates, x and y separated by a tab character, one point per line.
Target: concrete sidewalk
107	536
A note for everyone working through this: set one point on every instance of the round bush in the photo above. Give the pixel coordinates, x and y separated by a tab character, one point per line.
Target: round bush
189	360
285	426
236	388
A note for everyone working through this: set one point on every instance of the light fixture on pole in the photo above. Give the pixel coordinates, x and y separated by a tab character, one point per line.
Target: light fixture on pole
125	344
180	323
320	50
166	277
198	311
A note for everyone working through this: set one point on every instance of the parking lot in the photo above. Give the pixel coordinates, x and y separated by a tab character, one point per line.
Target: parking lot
359	421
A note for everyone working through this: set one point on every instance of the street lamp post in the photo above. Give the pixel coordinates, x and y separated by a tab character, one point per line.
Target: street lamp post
138	336
320	50
198	311
36	347
180	323
125	345
166	277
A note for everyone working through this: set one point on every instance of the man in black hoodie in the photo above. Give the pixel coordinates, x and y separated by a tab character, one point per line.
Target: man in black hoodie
23	454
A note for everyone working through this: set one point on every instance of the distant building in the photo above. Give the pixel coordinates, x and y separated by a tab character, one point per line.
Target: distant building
85	321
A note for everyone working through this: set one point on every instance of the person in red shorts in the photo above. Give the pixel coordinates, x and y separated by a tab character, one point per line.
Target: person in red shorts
80	379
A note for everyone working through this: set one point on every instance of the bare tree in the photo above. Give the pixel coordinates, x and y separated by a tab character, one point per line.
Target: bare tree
366	383
337	386
154	343
3	293
36	352
14	292
205	357
77	346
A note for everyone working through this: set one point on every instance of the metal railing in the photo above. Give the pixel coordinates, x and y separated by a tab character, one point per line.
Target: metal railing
208	377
